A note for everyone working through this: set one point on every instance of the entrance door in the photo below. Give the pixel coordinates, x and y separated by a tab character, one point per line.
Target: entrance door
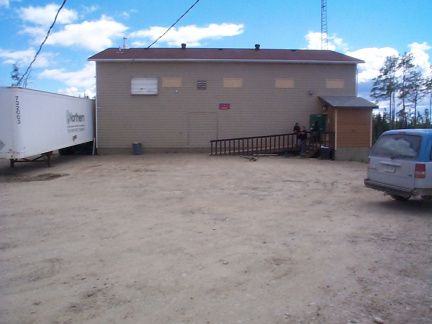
202	129
322	121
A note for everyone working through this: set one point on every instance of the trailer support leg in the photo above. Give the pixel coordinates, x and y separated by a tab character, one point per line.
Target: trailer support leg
48	158
44	157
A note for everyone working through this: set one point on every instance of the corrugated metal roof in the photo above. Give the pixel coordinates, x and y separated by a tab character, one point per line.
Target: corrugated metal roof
348	102
223	54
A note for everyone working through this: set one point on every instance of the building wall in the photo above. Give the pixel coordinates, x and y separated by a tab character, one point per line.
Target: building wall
264	99
354	127
359	154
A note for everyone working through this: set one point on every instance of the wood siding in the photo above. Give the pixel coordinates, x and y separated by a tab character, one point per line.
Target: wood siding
257	108
353	127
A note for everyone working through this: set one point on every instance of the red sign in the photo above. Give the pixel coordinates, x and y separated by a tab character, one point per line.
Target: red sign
225	106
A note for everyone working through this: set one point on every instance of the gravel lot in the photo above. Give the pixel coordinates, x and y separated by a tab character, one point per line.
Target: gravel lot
189	238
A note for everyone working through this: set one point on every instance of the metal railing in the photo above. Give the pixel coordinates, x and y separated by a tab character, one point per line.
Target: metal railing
270	144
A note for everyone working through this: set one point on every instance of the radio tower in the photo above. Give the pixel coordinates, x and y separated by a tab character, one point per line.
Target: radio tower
324	39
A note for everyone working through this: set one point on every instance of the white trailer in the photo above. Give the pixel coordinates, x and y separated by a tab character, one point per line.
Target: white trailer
35	123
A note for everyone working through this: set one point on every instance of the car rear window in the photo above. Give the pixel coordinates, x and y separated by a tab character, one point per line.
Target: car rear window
398	145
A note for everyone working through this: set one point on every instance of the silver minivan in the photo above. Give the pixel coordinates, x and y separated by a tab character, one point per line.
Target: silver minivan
400	164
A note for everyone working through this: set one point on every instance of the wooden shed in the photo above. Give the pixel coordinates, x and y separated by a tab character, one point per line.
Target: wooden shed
350	118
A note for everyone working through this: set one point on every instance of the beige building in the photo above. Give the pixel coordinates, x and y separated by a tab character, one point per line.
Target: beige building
173	99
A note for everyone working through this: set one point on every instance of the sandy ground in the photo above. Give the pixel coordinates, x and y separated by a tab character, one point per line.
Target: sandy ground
189	238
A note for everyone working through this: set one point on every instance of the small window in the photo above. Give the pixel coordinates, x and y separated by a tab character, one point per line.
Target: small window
232	83
284	83
335	84
201	85
398	146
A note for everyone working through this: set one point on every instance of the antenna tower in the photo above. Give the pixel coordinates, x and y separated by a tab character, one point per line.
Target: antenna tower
324	39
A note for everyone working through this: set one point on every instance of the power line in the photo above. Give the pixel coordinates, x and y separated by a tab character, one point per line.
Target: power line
174	24
42	44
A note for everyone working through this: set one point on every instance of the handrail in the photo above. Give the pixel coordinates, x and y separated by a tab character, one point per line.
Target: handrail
269	144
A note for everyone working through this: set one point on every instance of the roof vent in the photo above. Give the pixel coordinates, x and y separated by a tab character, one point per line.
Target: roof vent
183	45
257	47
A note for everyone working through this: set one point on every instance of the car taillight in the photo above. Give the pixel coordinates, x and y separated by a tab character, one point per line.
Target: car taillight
420	171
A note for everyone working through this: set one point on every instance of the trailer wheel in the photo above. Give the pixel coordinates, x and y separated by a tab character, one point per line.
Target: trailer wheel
67	150
400	198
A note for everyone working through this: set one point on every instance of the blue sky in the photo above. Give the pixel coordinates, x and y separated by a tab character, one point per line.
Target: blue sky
366	29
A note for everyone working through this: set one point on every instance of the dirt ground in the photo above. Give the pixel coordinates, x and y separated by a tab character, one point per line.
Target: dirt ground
189	238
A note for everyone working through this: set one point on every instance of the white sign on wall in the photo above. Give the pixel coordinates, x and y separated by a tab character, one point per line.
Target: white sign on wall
144	86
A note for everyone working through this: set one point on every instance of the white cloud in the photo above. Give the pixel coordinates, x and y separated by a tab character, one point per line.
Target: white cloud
44	16
91	35
191	35
4	3
89	9
374	60
37	34
421	58
334	42
374	57
83	79
23	58
75	92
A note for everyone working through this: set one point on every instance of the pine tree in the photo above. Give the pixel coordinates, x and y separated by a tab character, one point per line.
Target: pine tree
385	85
428	90
15	75
415	90
405	66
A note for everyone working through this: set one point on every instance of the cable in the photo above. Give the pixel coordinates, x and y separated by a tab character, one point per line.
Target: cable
40	48
174	24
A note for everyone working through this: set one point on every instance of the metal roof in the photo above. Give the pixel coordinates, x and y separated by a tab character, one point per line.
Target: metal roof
348	102
222	55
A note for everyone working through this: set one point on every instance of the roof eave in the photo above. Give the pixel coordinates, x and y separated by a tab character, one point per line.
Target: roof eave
227	61
359	103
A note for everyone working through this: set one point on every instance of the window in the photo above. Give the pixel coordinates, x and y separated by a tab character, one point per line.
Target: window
232	83
169	82
398	146
201	85
144	86
335	84
284	83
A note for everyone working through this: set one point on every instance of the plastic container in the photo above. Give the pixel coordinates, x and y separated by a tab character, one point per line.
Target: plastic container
325	152
137	148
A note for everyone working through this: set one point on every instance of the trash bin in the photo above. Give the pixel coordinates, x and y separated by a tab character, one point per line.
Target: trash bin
137	148
325	152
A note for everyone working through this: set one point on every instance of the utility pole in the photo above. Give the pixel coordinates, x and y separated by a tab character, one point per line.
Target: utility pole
324	39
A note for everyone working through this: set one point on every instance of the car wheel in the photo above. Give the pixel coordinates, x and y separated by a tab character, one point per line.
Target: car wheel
400	198
426	198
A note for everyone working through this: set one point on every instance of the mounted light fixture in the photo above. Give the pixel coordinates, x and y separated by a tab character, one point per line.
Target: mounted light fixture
311	92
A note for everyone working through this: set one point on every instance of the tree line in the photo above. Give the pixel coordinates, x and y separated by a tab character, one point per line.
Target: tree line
402	86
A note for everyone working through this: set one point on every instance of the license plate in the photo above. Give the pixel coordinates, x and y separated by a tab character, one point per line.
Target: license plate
389	169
